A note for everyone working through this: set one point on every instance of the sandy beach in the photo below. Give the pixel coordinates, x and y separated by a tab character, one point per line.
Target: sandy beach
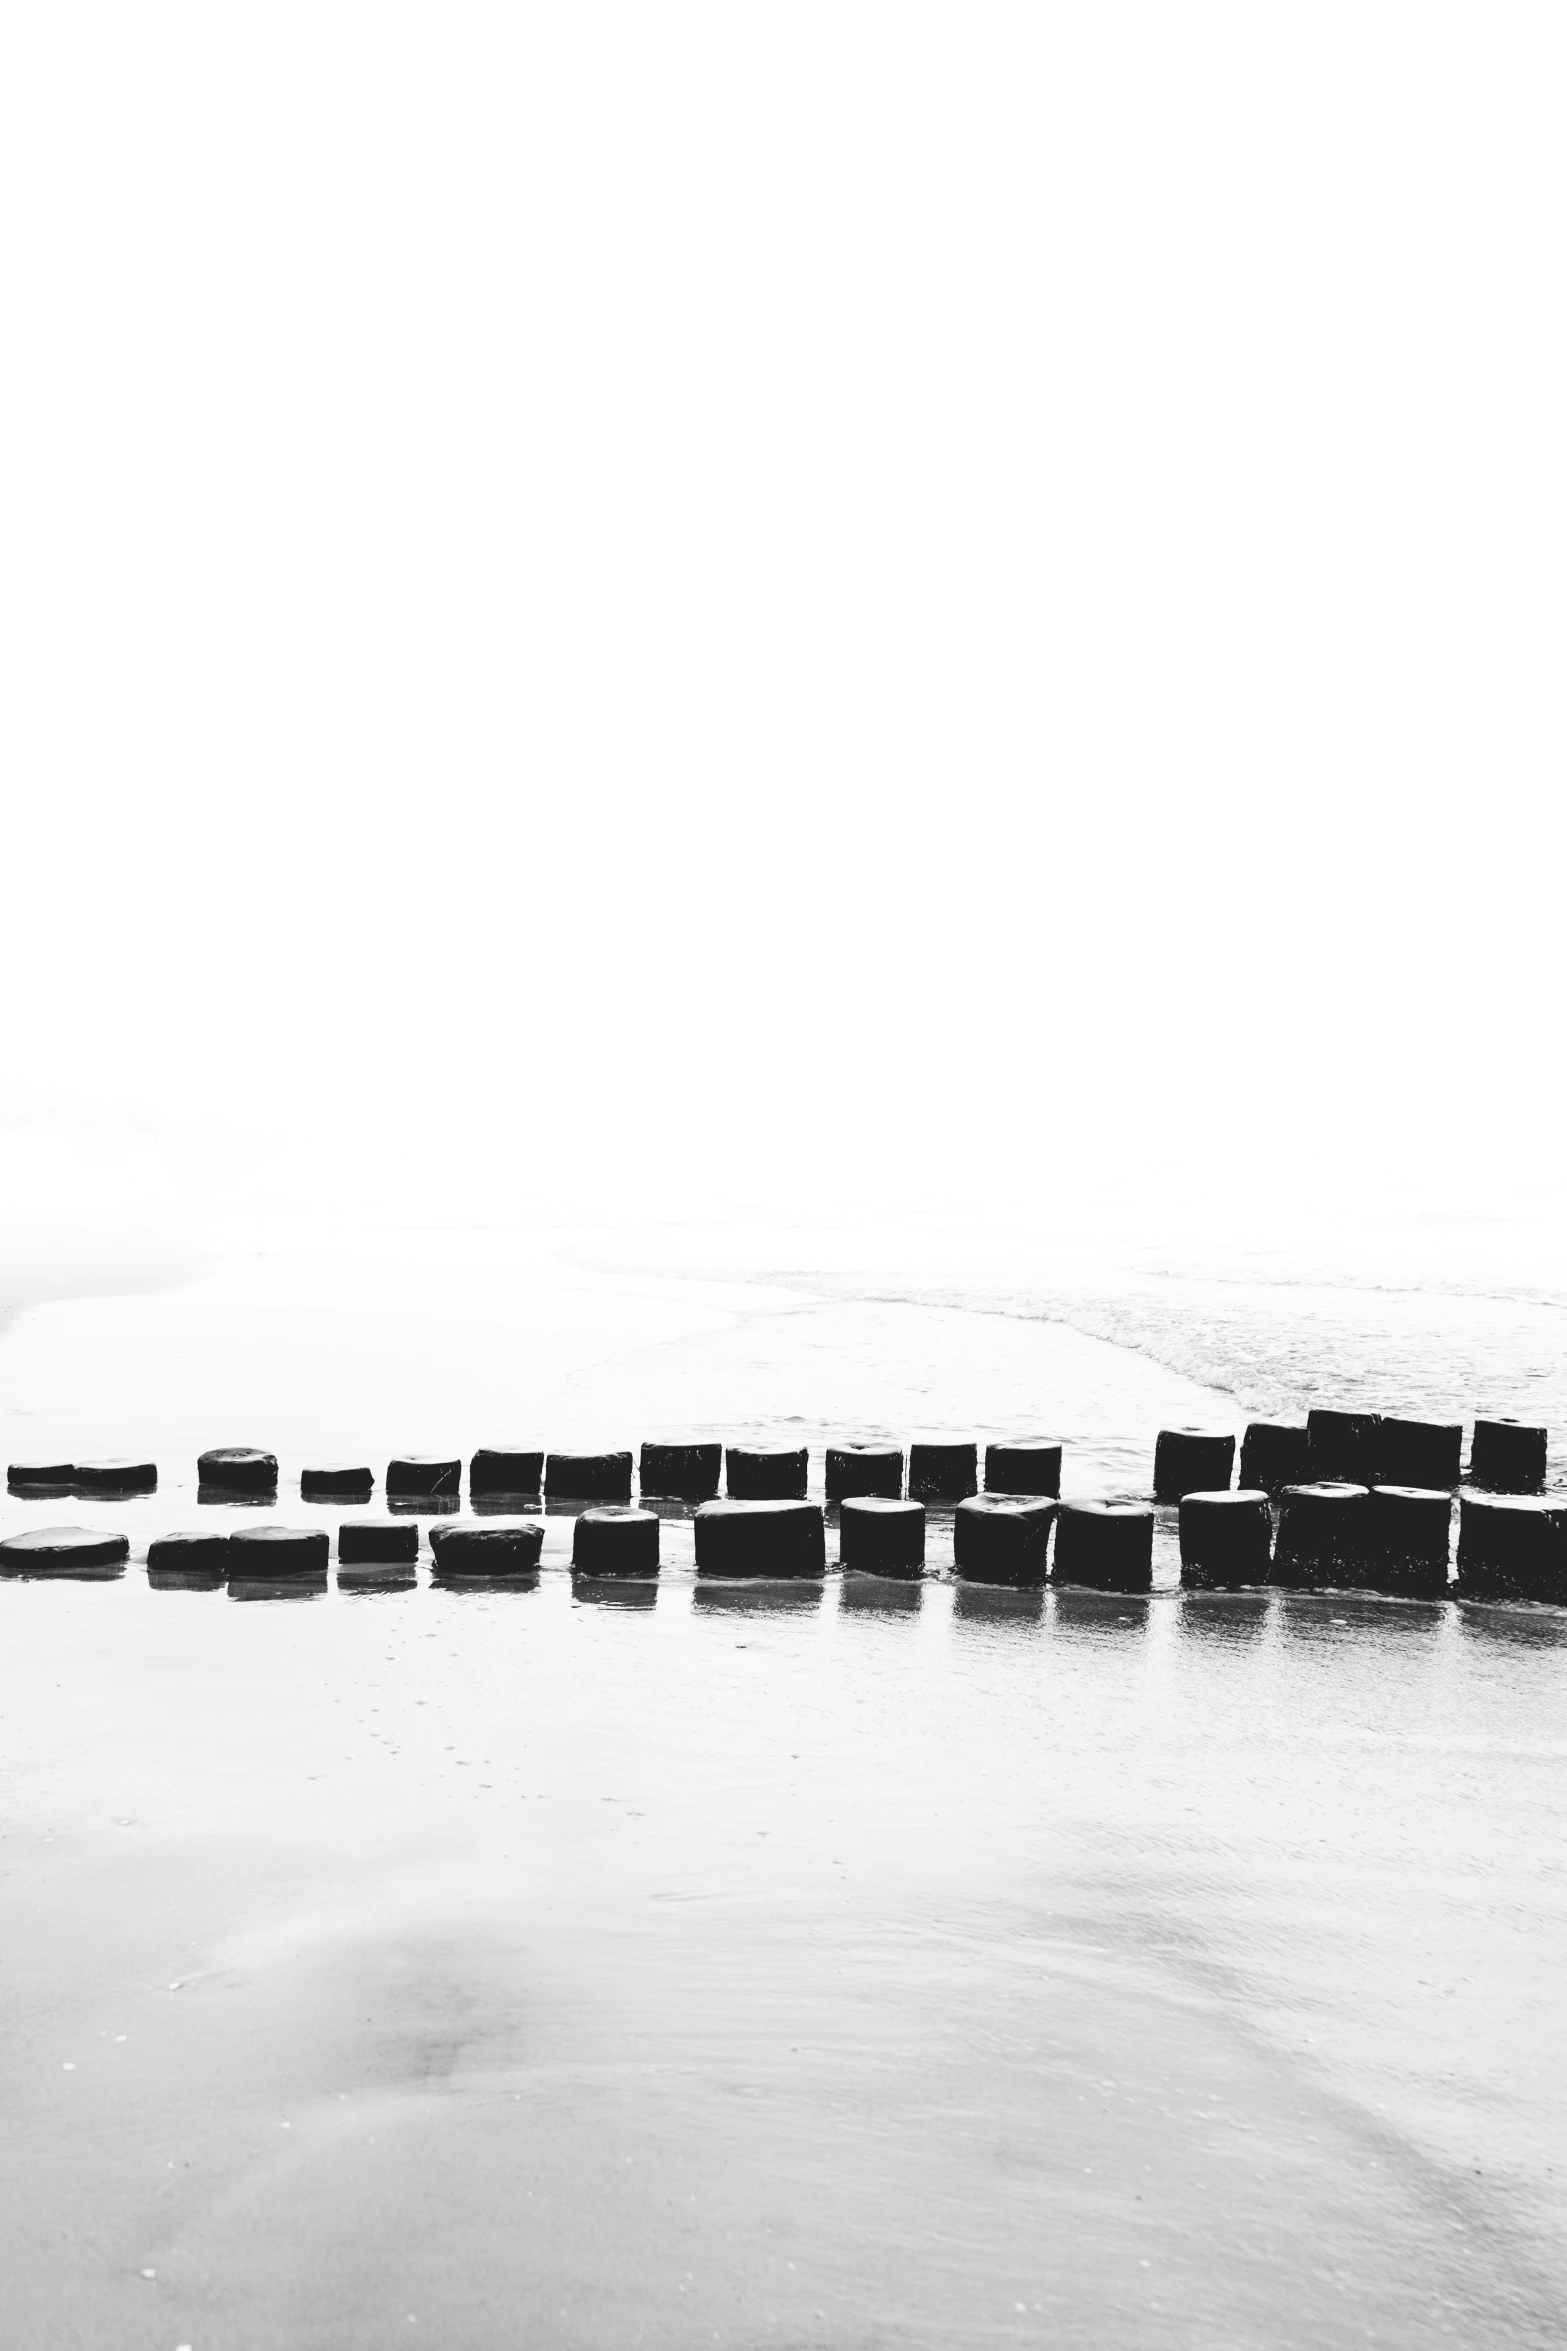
845	1967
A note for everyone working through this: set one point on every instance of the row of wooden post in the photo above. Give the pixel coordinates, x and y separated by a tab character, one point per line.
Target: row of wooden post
1393	1539
1317	1505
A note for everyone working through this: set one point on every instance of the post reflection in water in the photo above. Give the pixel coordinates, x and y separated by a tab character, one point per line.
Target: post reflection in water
1518	1626
763	1597
467	1586
871	1595
103	1572
974	1604
185	1579
1232	1618
1359	1621
364	1580
1078	1614
311	1585
613	1591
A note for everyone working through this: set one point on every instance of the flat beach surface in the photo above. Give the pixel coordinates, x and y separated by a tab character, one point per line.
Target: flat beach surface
846	1966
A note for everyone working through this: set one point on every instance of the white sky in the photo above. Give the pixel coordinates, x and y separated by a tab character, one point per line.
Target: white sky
678	602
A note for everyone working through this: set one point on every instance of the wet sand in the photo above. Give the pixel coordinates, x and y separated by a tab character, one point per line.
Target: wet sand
844	1967
522	1967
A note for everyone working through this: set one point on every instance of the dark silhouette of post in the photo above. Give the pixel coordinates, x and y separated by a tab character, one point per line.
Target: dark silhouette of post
1032	1468
864	1469
1226	1539
1106	1545
506	1469
613	1539
1508	1457
1419	1453
488	1552
1342	1448
237	1469
1321	1536
1003	1538
1512	1547
681	1473
943	1473
760	1538
766	1473
337	1481
423	1477
378	1543
1409	1534
587	1477
1191	1461
1273	1456
880	1535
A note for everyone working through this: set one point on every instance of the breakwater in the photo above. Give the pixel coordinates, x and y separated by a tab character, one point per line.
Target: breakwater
1345	1501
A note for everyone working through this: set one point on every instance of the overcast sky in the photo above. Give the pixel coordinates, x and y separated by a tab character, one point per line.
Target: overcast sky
681	602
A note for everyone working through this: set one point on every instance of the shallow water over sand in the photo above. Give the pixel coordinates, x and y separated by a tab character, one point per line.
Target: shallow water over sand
847	1966
593	1967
